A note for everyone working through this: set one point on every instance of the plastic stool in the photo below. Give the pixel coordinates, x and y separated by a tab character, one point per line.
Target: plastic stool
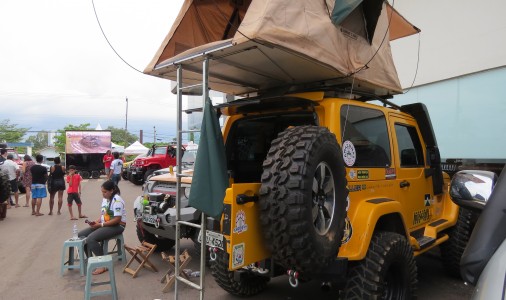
69	264
100	262
120	245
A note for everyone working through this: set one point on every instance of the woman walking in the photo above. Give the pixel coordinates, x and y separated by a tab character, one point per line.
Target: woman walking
57	172
27	177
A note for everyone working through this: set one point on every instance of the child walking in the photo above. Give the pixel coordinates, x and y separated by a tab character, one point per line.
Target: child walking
74	191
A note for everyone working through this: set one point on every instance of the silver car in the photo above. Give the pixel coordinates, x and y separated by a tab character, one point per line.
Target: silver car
483	263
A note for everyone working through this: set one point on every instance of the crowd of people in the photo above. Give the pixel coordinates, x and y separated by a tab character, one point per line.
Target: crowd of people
39	184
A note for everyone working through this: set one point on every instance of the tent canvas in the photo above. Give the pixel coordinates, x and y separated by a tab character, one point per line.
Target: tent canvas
117	148
136	148
262	45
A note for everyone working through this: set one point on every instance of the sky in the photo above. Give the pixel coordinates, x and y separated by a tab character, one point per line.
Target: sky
56	67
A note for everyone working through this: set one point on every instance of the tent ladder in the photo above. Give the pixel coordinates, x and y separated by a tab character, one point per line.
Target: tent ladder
179	175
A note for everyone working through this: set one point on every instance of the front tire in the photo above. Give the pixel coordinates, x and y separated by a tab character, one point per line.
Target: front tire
387	272
303	198
452	250
161	243
248	285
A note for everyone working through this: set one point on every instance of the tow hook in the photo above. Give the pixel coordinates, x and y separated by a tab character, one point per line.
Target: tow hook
293	278
212	253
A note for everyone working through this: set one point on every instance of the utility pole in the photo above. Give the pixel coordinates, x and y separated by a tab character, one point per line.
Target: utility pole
154	135
140	136
126	123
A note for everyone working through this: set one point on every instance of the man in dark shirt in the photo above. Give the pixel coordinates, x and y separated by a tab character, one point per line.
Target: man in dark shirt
39	178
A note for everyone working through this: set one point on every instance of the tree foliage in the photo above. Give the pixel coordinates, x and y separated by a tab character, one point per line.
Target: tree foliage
11	132
60	136
40	140
122	137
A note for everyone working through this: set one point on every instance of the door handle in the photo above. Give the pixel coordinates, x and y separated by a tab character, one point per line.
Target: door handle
404	184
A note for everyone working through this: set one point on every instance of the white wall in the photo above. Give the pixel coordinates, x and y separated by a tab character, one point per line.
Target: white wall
458	37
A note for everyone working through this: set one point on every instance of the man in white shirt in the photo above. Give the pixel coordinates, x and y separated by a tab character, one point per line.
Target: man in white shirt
115	169
11	168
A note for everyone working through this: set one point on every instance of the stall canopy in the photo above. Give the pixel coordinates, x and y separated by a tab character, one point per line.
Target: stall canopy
117	148
136	148
266	45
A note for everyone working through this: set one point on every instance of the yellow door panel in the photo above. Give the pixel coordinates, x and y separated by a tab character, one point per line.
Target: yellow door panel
246	243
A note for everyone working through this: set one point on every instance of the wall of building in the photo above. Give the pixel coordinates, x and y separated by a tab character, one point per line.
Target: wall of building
468	113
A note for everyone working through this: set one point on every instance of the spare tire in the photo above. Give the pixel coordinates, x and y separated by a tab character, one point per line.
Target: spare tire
303	198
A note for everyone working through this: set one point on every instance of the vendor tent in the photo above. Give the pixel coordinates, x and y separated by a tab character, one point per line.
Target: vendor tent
117	148
136	148
284	45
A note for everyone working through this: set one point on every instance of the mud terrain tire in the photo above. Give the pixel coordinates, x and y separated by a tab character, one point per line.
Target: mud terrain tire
387	272
452	250
303	198
248	285
162	244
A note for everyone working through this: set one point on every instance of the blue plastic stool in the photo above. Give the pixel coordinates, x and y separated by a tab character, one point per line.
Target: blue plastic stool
100	262
120	245
70	244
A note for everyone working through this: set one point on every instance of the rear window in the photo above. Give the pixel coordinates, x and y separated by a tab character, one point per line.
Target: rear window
365	138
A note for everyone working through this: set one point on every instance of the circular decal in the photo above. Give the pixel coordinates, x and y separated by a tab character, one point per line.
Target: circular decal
349	154
348	231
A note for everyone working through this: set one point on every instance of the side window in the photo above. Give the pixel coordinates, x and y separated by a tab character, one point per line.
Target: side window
365	135
409	146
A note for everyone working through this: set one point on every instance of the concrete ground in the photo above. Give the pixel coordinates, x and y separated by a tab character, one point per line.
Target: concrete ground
31	249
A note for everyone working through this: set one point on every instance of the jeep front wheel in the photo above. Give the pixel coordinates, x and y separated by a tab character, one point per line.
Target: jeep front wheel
162	244
452	250
387	272
303	198
246	284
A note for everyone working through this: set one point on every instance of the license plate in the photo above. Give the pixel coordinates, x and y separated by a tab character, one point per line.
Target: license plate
149	219
134	172
213	239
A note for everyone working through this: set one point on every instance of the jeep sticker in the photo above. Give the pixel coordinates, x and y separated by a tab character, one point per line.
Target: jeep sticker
390	173
348	231
363	174
349	154
240	222
357	188
238	255
421	216
428	201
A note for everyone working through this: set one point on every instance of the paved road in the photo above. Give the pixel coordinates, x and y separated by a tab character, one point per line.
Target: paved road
31	248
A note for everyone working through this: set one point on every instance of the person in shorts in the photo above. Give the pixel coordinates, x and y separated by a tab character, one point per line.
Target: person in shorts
74	191
39	178
11	168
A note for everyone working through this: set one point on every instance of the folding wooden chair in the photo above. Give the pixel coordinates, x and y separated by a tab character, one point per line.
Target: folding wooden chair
143	251
170	276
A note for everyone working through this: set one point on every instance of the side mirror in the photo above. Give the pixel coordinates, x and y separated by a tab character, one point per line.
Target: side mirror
471	189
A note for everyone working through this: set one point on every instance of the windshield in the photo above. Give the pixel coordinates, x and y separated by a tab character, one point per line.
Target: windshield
161	150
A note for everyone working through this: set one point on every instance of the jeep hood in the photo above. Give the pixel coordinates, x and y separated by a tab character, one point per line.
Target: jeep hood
260	45
172	177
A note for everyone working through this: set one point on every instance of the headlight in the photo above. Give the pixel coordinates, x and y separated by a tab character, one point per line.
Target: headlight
187	192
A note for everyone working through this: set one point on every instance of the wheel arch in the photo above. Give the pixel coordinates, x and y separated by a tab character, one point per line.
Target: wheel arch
370	216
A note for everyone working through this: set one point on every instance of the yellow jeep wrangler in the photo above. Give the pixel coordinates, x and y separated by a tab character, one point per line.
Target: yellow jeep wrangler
338	190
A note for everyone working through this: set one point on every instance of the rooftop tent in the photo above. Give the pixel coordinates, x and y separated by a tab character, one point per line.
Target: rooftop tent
262	45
